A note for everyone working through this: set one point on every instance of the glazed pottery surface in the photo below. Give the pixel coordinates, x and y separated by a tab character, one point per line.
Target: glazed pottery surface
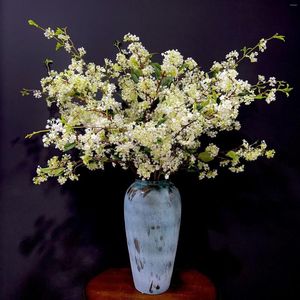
152	211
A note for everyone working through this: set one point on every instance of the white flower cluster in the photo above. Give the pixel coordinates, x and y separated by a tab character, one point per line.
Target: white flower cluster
154	118
262	45
49	33
245	153
62	169
130	38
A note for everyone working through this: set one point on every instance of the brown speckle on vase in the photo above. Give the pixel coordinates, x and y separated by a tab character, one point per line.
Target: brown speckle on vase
131	193
139	264
150	288
137	245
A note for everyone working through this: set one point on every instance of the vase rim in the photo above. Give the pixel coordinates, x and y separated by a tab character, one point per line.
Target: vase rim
155	182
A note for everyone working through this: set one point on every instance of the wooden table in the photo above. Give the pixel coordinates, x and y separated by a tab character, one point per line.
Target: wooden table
117	284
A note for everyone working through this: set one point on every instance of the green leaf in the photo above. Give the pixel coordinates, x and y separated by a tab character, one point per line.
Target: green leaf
93	165
52	171
32	23
205	156
48	62
118	44
183	66
57	172
161	121
279	37
146	150
134	77
214	96
63	120
152	54
138	72
214	73
197	106
69	146
260	96
166	81
58	46
59	31
157	69
286	90
45	170
244	50
243	94
24	92
231	154
135	74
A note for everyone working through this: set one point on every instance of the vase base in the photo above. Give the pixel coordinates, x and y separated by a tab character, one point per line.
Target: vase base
151	291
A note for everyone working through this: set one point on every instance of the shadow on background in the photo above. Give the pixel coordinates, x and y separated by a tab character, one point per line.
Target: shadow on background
91	239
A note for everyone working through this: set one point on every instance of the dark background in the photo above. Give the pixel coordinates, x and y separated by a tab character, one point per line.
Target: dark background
240	230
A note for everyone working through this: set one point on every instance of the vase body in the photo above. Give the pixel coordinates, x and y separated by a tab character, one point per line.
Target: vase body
152	211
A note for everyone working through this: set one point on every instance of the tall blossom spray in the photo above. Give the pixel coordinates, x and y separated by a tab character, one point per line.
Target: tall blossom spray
154	118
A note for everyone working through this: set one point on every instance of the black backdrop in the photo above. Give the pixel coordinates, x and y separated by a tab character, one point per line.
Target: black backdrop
241	230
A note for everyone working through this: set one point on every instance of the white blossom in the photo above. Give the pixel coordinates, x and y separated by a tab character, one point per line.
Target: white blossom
262	45
37	94
261	78
68	47
272	81
253	57
81	51
271	96
49	33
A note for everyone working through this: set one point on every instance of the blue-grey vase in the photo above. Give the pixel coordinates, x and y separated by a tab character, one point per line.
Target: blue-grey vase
152	211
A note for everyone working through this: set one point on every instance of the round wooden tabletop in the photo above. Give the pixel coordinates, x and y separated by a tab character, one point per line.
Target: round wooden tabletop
118	284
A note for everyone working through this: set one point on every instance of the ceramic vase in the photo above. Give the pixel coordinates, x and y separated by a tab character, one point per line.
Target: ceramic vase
152	211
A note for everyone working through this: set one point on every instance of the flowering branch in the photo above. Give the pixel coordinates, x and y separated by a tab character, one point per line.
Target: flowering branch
154	118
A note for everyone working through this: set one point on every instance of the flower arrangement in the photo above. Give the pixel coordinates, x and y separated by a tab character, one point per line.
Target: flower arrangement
152	117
